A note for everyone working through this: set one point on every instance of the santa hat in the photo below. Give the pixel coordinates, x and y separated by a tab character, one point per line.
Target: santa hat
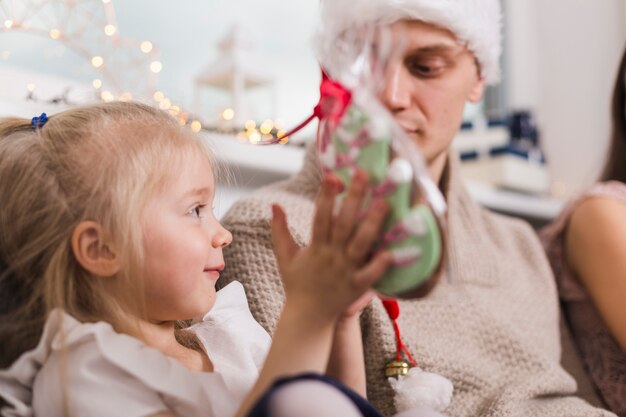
476	22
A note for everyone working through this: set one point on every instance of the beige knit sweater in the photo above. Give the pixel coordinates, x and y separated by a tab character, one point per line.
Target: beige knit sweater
491	325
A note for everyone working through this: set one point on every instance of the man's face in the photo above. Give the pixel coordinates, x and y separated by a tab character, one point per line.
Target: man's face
429	84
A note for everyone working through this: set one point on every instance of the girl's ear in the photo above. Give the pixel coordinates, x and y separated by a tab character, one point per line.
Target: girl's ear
93	251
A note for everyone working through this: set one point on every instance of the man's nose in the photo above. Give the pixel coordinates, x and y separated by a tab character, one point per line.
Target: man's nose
396	95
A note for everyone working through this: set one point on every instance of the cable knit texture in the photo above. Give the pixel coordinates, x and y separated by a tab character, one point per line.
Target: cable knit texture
491	326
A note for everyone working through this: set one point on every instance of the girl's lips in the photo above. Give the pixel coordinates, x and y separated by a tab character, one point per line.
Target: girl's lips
218	268
212	273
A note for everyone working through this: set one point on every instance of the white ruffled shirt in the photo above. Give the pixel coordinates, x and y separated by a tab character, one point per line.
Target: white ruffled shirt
105	373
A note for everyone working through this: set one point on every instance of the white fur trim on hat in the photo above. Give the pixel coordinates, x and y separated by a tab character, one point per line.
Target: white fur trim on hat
477	22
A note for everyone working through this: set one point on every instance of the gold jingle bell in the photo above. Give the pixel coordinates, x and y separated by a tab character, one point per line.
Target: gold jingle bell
396	369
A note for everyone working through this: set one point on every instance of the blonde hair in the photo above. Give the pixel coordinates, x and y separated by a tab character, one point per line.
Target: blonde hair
101	163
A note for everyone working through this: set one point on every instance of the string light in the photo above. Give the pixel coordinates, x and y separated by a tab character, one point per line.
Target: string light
83	38
109	30
165	104
267	131
146	47
228	114
77	38
158	96
97	61
107	97
266	127
156	67
196	126
254	138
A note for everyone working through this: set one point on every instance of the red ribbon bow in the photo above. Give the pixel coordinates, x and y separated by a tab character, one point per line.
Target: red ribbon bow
333	102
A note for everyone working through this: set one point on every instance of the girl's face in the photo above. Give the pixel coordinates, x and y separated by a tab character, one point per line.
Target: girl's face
183	244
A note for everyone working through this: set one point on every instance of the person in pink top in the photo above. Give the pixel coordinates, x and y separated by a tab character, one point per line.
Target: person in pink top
586	245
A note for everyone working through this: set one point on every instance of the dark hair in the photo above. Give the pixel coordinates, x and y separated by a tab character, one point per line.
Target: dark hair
615	166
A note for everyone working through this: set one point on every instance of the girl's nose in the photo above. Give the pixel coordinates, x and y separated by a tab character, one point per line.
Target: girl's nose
222	238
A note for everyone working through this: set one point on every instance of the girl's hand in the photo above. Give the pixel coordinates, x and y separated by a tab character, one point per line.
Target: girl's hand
355	308
321	281
333	272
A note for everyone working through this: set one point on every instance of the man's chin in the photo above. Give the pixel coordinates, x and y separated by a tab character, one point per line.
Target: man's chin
423	144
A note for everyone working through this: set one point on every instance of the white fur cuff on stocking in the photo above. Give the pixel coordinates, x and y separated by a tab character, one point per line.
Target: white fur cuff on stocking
419	389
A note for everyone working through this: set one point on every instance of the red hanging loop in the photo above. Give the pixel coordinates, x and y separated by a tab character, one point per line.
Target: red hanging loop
333	102
393	311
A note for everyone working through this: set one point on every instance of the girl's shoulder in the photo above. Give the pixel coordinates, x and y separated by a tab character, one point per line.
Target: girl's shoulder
232	337
612	191
600	211
597	225
95	371
98	372
597	210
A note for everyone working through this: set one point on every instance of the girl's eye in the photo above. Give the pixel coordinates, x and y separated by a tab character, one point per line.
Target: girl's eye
197	211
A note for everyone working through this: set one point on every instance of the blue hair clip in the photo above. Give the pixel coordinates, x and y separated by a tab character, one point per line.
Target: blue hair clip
38	122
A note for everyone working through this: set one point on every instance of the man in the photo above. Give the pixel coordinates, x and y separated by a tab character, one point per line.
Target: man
491	325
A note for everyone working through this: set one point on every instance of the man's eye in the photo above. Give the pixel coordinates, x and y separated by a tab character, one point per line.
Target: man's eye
425	69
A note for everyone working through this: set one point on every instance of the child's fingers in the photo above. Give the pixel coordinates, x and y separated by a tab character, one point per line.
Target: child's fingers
373	270
348	215
322	220
282	241
361	243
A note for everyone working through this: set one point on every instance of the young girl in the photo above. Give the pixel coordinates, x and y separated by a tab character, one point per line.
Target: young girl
109	246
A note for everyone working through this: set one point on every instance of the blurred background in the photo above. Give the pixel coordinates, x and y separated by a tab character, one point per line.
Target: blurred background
243	71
